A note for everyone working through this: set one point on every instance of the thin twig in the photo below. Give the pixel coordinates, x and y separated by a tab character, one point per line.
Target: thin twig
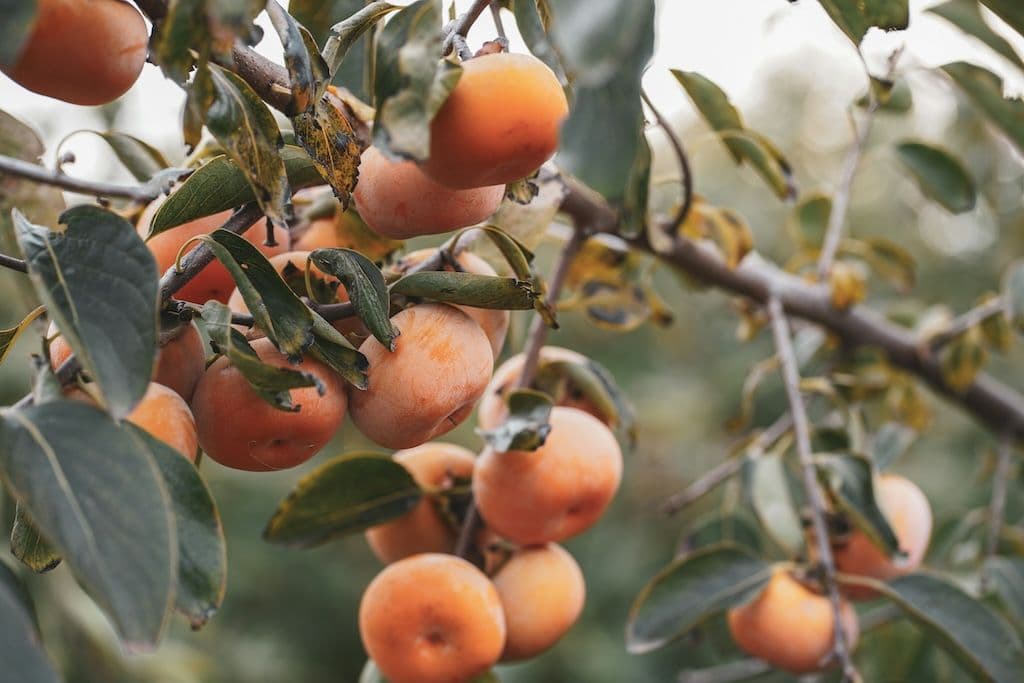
460	27
13	263
499	25
200	257
725	469
812	490
966	321
997	505
681	158
24	169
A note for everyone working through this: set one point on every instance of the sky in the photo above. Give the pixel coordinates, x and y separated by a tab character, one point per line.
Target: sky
729	41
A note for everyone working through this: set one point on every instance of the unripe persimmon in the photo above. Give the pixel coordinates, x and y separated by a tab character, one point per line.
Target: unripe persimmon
499	124
494	322
542	592
162	412
790	626
423	530
909	515
239	429
429	384
555	492
86	52
398	200
493	410
432	618
214	281
181	359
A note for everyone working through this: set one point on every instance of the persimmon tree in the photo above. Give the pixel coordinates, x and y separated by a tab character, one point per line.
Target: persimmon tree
251	298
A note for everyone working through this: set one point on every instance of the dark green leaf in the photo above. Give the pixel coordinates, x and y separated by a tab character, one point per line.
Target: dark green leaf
244	125
273	305
92	488
984	644
517	256
985	89
855	17
334	350
306	68
199	96
9	337
344	34
1013	293
270	382
348	494
1006	576
591	382
320	17
939	175
366	289
182	28
412	82
966	15
717	529
527	426
16	23
331	143
895	98
1010	11
605	46
808	220
74	273
219	185
849	481
890	442
202	553
34	551
469	289
767	488
141	159
692	589
24	659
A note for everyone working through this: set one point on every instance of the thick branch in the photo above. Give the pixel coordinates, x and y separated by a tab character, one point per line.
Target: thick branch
13	263
23	169
993	403
812	490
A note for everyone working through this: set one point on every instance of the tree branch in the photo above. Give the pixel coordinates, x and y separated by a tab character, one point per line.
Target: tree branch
997	506
802	430
13	263
460	27
977	315
681	157
23	169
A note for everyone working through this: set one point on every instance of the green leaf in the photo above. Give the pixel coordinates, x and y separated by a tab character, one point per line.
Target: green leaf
16	23
140	158
344	34
743	144
605	45
849	481
21	651
1006	576
219	185
244	125
981	641
34	551
345	495
306	68
1013	293
366	289
855	17
808	220
469	289
890	442
202	551
893	97
331	143
591	382
966	15
941	177
767	488
527	426
93	489
273	305
963	358
412	82
75	273
175	35
689	591
729	528
1009	11
269	381
985	90
9	337
890	261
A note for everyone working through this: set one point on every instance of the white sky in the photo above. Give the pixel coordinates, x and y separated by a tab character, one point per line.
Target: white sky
727	40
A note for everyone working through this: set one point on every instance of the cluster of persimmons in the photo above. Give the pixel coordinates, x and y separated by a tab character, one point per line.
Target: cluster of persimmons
432	616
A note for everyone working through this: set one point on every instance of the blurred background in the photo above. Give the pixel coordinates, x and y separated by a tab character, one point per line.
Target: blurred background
291	615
